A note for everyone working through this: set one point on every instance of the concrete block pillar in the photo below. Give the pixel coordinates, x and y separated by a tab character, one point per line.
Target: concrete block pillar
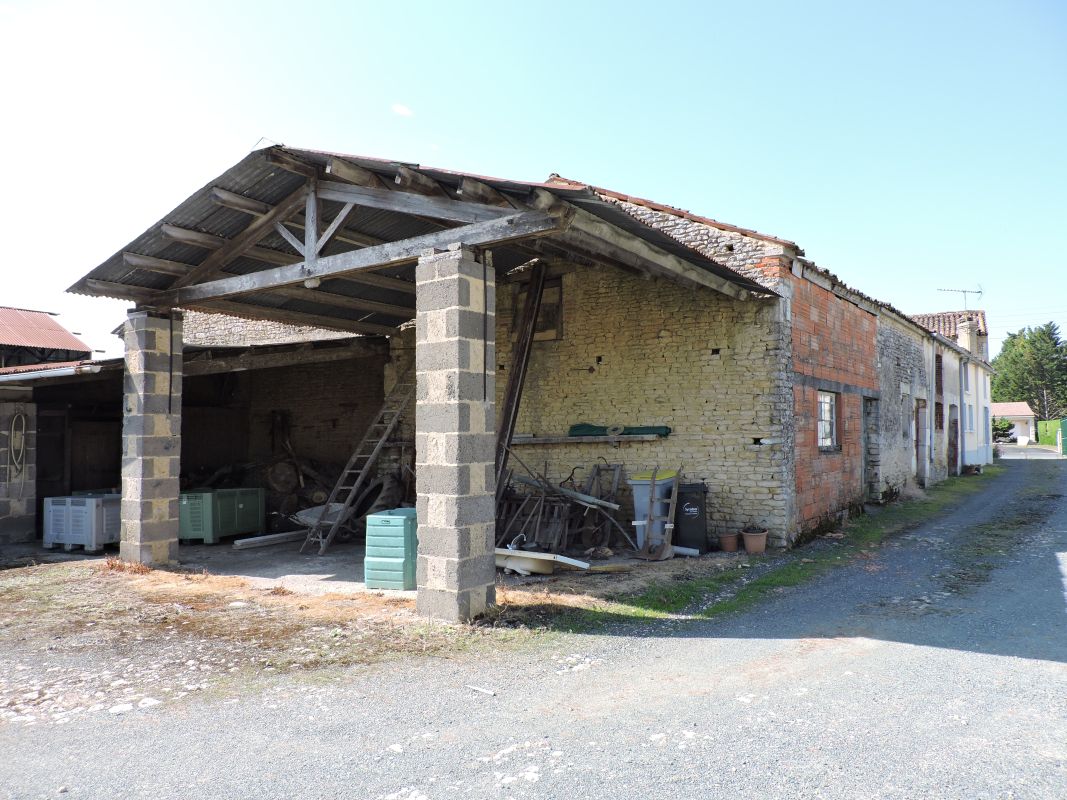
151	437
455	425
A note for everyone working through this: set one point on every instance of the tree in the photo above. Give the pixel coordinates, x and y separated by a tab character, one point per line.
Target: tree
1032	367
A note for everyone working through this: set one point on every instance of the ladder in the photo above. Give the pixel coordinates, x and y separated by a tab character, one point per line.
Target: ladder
360	465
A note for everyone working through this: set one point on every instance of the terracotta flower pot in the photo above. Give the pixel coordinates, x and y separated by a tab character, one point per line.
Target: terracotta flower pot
755	541
728	542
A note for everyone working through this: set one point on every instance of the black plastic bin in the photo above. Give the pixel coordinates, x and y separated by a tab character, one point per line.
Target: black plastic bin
691	517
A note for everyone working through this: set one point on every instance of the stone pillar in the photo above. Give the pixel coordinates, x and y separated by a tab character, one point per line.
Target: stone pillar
151	437
455	427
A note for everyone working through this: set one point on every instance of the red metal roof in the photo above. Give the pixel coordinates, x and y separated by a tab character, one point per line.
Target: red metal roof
22	328
41	367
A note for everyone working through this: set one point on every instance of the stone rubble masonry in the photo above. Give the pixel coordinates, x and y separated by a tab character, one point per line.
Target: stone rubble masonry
903	376
638	351
18	490
151	438
454	434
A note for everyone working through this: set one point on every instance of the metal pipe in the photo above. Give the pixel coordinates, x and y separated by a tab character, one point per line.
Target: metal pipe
80	369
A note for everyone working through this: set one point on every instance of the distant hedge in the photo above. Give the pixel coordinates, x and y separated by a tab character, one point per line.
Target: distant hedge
1046	431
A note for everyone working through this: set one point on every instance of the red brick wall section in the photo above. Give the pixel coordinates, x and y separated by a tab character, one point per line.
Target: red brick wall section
835	341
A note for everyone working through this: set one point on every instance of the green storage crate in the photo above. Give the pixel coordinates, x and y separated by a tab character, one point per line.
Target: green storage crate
392	544
212	515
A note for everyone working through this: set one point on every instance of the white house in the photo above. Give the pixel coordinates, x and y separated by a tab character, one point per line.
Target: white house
1022	418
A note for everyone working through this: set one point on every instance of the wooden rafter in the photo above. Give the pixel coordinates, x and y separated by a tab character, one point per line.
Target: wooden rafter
254	359
209	241
347	171
519	226
153	264
475	191
248	238
345	301
411	180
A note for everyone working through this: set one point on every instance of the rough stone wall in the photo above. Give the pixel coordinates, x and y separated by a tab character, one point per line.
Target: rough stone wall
330	405
903	378
222	330
834	349
401	362
653	352
18	493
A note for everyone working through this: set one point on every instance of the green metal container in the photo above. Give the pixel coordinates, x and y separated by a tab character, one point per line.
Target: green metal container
196	517
392	544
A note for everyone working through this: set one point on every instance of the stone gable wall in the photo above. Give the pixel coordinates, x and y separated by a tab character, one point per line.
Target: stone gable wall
652	352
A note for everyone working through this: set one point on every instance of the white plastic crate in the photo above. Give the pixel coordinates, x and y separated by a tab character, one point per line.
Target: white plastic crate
90	522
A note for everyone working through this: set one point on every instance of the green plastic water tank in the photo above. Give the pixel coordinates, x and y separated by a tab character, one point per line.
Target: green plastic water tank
392	544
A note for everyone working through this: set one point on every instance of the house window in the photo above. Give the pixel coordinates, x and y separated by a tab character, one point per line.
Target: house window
550	318
939	374
939	415
828	421
970	417
966	378
986	428
905	417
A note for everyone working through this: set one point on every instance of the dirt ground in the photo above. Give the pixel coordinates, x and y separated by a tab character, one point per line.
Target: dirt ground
97	635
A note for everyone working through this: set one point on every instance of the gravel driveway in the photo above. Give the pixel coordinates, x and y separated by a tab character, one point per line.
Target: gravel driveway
937	667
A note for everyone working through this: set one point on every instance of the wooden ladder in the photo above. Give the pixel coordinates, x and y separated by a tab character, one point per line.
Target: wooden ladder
360	465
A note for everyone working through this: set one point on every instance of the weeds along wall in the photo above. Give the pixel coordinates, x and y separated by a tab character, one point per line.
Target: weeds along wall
634	351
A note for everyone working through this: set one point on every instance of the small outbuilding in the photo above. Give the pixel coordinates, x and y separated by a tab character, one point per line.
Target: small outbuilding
1022	418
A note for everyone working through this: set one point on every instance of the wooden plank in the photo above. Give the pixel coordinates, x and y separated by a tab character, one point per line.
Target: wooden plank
410	203
347	171
269	539
249	237
153	264
507	229
642	437
509	412
249	311
410	180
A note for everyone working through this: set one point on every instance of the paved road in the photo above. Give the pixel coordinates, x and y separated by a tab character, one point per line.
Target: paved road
936	668
1032	451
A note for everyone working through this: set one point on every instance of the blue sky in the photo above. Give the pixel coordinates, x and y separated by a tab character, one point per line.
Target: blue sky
907	147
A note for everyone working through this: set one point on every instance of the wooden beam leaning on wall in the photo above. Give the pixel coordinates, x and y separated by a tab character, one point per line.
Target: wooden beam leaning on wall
480	234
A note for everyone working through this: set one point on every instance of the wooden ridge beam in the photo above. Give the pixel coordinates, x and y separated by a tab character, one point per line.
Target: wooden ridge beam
249	311
249	237
482	234
409	203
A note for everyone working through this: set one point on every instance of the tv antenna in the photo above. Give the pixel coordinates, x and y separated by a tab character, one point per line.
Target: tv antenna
965	292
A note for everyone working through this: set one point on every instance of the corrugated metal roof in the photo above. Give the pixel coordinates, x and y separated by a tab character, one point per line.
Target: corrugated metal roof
256	177
22	328
50	366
